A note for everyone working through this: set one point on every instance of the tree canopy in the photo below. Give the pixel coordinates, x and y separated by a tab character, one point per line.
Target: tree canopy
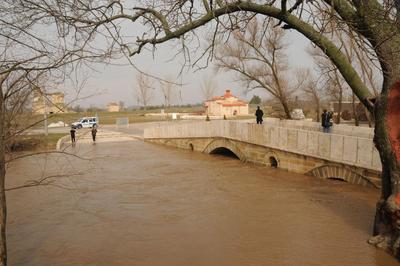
255	100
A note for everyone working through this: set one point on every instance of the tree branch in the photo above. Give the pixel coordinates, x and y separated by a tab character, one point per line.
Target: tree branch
337	57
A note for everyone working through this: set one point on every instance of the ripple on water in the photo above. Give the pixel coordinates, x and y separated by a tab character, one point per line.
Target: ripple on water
153	205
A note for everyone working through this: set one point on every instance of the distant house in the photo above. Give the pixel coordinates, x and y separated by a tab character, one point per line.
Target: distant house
346	106
228	105
49	103
113	107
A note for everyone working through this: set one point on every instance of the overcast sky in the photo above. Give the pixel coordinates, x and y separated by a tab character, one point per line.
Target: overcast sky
111	83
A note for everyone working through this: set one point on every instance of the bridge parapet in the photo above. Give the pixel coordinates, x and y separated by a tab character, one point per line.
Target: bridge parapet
352	147
347	130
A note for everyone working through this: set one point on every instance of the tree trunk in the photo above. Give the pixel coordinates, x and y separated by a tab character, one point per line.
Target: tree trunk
318	109
286	109
3	209
353	103
339	106
369	117
3	205
387	141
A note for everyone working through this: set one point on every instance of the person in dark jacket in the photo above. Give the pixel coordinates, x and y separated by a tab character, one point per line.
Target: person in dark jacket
94	132
259	115
72	133
326	121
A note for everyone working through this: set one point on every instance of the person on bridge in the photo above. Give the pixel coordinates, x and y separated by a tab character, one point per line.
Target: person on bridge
326	121
259	115
72	133
94	132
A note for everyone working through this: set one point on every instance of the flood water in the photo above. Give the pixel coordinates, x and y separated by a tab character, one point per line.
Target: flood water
137	203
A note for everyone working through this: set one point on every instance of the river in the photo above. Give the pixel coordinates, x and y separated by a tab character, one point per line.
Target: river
136	203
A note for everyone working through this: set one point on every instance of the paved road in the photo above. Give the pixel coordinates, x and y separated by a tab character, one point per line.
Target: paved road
132	129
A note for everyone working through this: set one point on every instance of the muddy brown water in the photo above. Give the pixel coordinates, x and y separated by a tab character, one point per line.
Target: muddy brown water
137	203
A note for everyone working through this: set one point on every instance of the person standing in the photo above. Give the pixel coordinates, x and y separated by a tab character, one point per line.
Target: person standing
72	133
259	115
326	121
94	132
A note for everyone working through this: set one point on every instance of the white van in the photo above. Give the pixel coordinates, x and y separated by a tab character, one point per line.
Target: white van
86	122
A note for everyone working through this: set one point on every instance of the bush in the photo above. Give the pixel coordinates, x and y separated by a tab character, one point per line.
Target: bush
346	115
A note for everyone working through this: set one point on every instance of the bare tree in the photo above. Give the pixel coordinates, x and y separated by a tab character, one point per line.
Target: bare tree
312	92
16	89
359	54
354	110
259	60
143	90
336	90
331	80
30	58
168	89
208	87
375	23
356	52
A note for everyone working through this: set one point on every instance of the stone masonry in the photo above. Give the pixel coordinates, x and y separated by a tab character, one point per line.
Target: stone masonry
292	162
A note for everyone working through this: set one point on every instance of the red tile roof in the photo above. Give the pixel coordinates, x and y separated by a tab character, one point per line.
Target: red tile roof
227	95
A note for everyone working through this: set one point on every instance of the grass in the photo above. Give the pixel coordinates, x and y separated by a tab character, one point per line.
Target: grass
109	118
105	118
38	142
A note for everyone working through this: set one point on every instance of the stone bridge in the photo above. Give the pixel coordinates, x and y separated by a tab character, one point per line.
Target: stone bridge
347	153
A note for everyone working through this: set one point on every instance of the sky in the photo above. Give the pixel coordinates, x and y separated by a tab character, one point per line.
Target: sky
113	83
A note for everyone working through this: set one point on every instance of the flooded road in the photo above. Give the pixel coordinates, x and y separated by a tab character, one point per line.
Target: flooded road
137	203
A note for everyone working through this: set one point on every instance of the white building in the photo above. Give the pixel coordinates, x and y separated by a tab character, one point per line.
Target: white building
228	105
113	107
49	103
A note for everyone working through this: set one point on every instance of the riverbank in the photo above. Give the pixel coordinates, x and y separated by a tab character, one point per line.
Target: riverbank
35	142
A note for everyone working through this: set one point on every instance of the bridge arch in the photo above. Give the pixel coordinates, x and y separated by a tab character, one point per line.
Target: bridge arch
220	145
191	146
272	159
342	173
273	162
224	151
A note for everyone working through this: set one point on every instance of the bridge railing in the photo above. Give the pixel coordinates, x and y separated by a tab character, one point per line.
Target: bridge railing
349	130
348	149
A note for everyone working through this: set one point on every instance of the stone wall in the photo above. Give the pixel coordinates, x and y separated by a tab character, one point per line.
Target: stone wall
292	162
